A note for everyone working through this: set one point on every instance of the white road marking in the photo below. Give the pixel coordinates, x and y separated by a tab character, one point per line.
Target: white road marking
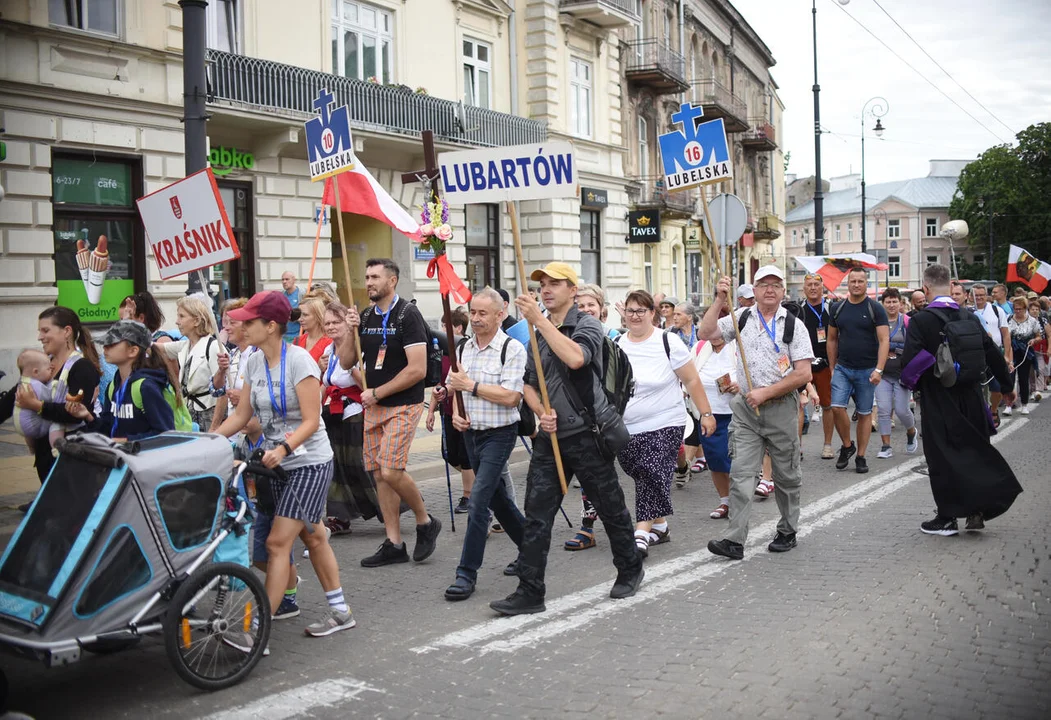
296	701
585	606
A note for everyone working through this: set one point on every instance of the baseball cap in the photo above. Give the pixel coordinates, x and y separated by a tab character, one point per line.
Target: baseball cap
670	300
745	291
131	330
269	305
1032	295
557	271
768	271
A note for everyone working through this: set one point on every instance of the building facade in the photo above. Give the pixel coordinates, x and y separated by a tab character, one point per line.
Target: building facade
903	221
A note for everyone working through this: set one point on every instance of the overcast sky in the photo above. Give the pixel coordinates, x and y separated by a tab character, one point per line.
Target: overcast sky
1000	52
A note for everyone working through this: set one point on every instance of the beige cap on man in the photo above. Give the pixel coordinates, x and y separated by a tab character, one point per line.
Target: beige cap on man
557	271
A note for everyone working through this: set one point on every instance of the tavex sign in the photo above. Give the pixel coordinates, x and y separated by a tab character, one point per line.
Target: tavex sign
644	226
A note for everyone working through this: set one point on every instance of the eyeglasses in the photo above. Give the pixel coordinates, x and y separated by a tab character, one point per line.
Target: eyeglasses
768	286
636	312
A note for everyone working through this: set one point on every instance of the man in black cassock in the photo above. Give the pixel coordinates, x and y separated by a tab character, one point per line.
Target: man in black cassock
969	477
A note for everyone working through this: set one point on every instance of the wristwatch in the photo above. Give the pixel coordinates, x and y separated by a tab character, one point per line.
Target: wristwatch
287	447
707	414
474	390
879	370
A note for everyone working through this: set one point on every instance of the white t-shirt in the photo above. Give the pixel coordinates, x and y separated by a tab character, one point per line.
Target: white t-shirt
993	320
657	402
717	364
336	376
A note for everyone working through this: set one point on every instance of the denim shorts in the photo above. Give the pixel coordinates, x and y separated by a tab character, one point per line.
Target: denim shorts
847	382
260	532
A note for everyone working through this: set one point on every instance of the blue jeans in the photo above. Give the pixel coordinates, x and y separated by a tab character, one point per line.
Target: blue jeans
488	451
847	381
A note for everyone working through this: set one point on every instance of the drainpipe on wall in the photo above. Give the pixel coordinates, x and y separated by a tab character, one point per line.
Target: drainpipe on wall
512	29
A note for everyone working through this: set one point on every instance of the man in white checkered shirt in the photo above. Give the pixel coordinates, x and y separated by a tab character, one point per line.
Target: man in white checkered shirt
491	377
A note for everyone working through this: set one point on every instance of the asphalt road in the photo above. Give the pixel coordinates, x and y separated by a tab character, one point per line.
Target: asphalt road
866	618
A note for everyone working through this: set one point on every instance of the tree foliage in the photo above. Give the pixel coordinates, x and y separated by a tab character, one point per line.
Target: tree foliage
1008	188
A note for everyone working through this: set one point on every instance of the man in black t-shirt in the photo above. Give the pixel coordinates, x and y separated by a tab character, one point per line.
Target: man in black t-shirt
858	345
815	317
393	342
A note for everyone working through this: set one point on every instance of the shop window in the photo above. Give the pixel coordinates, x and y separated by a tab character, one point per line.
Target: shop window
92	15
237	277
591	246
94	197
483	246
121	569
188	510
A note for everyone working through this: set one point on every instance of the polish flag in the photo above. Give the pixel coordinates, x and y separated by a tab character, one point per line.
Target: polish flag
362	195
1024	268
833	268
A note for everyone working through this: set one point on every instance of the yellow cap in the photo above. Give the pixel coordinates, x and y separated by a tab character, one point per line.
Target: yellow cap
557	271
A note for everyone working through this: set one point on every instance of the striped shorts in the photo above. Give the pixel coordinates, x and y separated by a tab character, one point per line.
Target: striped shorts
302	496
388	435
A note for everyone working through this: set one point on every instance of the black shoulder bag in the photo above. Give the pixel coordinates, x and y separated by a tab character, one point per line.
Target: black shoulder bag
607	425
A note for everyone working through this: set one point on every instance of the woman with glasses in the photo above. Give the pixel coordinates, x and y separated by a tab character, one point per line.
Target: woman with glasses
656	416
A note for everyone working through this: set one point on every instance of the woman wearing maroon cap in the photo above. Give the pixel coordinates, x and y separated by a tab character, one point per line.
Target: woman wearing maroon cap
282	388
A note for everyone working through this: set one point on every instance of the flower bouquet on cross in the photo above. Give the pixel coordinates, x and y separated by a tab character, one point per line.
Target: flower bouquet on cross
435	234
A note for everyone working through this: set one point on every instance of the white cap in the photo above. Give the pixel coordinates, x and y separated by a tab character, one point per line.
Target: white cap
767	271
745	291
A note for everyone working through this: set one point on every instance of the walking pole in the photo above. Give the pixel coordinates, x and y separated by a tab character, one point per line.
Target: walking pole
448	477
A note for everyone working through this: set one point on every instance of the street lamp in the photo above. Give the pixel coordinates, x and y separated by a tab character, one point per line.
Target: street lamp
877	214
876	107
819	195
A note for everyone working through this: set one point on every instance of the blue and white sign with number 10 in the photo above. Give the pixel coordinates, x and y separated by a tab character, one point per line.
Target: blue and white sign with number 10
697	154
330	148
519	172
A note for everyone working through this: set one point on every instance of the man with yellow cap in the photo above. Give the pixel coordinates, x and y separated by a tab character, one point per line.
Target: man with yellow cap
571	346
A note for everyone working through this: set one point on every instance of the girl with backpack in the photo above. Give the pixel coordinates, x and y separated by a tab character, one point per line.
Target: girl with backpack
198	356
138	403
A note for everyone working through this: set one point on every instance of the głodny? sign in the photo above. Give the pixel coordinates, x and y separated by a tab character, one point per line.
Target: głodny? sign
519	172
186	225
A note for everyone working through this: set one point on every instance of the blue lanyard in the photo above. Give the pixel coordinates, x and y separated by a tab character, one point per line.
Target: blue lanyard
118	401
270	383
770	329
818	314
332	360
252	447
386	317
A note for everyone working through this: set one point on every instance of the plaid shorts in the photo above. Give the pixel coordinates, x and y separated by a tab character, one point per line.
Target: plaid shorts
388	435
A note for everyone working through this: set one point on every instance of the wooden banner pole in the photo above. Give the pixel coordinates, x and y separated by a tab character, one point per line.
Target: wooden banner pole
342	240
523	289
317	243
719	265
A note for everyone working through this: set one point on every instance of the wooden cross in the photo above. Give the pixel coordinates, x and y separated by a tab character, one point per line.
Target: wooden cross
429	177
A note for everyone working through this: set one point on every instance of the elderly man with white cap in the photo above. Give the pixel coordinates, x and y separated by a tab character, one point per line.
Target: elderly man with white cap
746	295
765	415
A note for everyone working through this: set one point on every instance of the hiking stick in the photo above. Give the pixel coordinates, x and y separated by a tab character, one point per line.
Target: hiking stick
448	477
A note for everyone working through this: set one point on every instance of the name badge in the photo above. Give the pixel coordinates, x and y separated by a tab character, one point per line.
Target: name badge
783	365
379	358
821	334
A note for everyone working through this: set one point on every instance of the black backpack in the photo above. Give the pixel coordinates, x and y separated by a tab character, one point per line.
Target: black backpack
790	327
526	420
838	308
618	380
434	350
960	359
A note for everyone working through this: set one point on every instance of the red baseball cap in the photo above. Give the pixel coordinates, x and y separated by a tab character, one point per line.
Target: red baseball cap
269	305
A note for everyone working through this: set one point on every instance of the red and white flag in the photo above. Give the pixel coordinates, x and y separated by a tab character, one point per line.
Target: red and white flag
1024	268
362	195
833	268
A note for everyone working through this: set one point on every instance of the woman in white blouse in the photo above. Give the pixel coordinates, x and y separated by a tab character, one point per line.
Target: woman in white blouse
198	356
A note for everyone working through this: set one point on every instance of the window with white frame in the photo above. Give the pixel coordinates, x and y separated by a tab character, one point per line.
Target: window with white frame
933	260
224	26
647	264
644	147
362	41
476	73
850	232
894	266
580	97
92	15
893	229
838	237
932	227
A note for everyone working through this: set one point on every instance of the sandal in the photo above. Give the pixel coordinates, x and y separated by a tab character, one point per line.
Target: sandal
764	488
656	537
583	540
699	465
720	513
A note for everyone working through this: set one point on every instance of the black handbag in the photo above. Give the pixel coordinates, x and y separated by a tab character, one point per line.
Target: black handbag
607	426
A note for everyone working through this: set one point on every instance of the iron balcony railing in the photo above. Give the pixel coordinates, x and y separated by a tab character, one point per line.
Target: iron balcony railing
651	54
650	191
287	89
625	6
712	92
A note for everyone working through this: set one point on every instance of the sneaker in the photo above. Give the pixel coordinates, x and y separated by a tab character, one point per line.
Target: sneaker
682	472
845	453
519	603
726	548
337	526
287	609
912	443
885	452
975	522
627	584
1025	409
782	542
861	465
243	642
461	507
388	554
681	482
1006	412
335	622
1038	396
827	453
426	539
940	526
497	528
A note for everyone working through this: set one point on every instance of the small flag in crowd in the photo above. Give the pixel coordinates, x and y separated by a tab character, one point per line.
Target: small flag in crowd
1023	267
833	268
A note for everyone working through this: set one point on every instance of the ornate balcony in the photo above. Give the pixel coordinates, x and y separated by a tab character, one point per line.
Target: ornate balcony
719	102
653	64
760	136
649	192
607	13
289	91
766	228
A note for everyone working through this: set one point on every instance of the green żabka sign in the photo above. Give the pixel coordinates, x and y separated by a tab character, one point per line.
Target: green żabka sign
224	160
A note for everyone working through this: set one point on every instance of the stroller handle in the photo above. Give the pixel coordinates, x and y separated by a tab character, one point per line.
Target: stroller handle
255	466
